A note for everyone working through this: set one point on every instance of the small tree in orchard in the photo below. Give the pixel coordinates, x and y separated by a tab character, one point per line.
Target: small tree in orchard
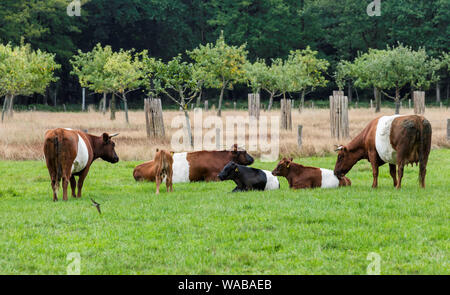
307	71
24	71
176	79
124	72
89	67
261	76
221	64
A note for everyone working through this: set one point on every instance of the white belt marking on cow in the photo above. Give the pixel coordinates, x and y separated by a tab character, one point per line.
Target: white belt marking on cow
180	168
329	180
82	156
272	181
383	141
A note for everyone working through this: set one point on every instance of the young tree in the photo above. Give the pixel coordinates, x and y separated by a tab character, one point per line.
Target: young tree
307	71
89	67
24	71
124	72
177	79
221	64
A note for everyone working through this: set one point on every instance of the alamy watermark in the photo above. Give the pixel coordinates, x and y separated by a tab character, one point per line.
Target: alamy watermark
74	266
374	8
230	130
74	8
374	267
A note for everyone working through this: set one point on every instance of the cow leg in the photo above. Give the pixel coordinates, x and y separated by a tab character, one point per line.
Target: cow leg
55	185
73	184
65	183
81	179
374	163
392	170
169	181
158	182
400	175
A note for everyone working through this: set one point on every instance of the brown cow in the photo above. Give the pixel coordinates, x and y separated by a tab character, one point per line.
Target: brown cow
397	140
299	176
69	153
163	169
196	166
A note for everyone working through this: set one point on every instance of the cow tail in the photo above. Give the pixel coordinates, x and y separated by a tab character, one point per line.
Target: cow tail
58	161
424	149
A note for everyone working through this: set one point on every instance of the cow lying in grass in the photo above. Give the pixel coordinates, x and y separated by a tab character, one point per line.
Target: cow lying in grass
300	176
163	169
195	166
247	178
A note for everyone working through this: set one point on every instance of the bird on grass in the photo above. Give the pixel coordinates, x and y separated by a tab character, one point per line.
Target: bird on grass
96	205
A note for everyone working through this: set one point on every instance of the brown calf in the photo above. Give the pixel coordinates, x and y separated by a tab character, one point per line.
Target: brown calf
196	166
69	153
163	168
397	140
300	176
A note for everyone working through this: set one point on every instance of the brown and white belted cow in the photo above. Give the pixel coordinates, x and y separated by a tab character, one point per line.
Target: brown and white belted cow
397	140
196	166
69	153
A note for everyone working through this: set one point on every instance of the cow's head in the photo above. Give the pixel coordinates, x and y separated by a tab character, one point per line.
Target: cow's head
345	160
230	171
107	151
282	168
241	157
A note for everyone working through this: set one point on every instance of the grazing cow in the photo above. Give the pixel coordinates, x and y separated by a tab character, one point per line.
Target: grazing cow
163	169
196	166
397	140
300	176
247	178
69	153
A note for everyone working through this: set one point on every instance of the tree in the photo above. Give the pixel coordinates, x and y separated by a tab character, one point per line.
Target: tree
307	71
89	67
177	79
221	64
24	71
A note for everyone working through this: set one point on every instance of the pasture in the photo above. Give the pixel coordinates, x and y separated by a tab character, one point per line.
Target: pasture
202	228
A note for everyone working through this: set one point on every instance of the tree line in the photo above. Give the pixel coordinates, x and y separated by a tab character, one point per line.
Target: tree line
336	30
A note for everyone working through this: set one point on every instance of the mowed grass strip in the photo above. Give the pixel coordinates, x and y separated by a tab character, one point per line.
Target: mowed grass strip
202	228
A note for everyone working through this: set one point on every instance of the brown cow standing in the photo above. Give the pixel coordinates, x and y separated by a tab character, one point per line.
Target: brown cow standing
299	176
163	169
69	153
196	166
397	140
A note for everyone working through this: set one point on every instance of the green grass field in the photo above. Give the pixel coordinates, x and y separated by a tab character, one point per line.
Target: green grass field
202	228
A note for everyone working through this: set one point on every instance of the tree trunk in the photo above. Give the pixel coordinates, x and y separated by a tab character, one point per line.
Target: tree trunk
270	102
113	107
188	127
104	103
377	95
302	102
350	92
5	106
125	106
219	112
438	93
199	98
10	106
397	101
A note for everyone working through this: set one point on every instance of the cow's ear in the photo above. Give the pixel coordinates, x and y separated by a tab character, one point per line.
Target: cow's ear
105	137
235	147
172	152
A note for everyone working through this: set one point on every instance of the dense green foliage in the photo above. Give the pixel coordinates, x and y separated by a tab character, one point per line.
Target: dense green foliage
202	228
338	30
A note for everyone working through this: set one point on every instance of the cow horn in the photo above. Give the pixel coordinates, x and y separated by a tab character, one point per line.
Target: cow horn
113	135
338	148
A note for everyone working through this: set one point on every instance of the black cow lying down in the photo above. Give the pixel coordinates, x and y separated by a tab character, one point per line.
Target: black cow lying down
247	178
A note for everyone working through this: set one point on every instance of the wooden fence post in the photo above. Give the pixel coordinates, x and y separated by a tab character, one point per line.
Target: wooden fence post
299	135
286	117
154	117
253	105
448	129
419	102
339	116
206	105
83	100
234	105
409	103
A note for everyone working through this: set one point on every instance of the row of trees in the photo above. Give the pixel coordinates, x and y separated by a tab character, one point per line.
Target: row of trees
393	68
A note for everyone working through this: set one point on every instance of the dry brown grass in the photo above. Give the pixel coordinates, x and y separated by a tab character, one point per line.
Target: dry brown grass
21	138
